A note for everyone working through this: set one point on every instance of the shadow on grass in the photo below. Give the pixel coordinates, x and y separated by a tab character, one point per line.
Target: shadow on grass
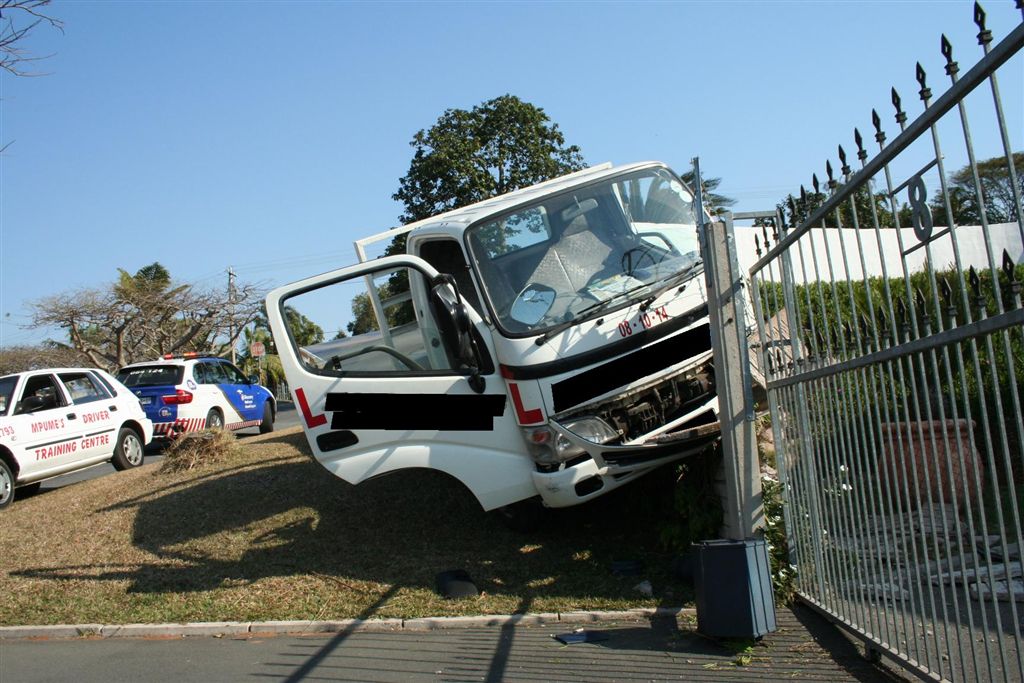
289	518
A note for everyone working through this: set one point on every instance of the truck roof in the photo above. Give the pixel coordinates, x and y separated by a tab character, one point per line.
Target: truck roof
493	206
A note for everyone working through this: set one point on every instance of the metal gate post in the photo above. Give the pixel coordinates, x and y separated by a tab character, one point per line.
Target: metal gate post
742	508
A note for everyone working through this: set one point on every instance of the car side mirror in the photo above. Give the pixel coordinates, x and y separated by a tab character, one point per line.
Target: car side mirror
455	327
254	379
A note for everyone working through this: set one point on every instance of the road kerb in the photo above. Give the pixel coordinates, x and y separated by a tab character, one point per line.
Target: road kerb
244	628
436	623
336	626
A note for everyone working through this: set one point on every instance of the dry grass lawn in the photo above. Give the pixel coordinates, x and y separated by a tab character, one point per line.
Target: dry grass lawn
266	533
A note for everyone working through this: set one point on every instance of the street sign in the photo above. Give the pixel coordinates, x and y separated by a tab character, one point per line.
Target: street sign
257	350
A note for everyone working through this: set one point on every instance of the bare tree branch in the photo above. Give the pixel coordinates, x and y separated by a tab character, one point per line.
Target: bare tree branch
137	319
13	29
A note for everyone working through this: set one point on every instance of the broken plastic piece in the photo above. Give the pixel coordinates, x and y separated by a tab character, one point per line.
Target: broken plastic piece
456	583
580	636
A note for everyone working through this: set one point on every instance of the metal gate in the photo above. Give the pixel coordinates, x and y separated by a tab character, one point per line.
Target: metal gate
892	346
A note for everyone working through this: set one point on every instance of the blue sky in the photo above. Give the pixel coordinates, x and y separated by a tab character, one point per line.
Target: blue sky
268	136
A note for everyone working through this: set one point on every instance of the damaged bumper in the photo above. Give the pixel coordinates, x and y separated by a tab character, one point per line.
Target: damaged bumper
606	466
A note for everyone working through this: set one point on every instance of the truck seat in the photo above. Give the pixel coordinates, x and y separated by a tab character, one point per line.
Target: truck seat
578	256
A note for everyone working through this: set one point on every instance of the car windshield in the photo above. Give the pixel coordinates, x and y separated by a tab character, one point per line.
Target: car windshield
7	385
555	261
151	375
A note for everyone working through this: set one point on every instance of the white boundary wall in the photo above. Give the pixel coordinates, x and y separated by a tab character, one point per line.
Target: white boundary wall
970	239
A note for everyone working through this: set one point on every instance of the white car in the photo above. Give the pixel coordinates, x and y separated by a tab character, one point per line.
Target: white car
57	420
191	392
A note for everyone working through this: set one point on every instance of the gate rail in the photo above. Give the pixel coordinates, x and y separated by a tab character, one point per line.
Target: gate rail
894	390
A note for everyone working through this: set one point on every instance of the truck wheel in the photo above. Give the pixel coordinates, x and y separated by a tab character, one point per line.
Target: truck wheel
526	516
267	425
6	485
214	420
128	451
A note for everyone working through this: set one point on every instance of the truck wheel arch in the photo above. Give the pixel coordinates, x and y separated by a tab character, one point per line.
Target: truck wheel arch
495	478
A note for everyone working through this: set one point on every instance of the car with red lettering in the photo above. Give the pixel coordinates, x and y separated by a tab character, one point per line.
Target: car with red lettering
191	392
57	420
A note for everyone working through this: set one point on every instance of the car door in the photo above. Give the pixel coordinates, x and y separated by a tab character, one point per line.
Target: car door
378	397
47	427
208	391
240	393
96	411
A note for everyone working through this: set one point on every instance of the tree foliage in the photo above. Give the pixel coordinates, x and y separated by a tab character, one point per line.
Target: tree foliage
996	190
146	315
498	146
270	370
714	202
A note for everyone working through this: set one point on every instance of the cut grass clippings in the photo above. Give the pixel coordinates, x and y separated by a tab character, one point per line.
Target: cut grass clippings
264	532
197	449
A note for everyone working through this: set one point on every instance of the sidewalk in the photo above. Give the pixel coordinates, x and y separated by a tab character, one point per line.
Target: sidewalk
805	648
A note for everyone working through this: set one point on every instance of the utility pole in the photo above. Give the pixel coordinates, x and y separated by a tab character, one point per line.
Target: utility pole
231	309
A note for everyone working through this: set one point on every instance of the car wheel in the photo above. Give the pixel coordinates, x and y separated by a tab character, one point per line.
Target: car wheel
128	451
6	485
214	420
267	425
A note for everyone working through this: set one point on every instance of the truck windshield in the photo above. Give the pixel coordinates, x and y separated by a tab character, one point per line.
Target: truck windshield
549	263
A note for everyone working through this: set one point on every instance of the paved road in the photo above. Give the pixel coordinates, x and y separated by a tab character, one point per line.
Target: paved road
287	416
804	648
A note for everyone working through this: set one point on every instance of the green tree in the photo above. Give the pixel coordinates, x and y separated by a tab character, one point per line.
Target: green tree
996	188
467	156
501	145
304	331
715	203
363	318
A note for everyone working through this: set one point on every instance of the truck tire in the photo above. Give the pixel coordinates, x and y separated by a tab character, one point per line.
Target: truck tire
525	517
128	451
267	425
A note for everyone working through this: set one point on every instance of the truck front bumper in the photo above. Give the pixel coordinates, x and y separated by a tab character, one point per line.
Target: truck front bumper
607	467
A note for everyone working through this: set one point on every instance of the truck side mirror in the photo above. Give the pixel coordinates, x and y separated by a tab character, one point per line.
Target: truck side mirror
455	327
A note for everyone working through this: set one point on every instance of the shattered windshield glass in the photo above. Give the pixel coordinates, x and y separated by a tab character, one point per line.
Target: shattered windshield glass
556	261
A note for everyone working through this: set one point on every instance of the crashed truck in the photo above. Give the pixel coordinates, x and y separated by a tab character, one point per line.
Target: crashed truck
548	344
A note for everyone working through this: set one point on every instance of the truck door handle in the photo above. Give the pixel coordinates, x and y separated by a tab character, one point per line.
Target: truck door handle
72	416
112	409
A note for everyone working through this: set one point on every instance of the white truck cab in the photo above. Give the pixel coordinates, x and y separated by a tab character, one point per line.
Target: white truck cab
549	342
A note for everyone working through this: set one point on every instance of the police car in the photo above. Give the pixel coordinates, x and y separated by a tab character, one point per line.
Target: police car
191	392
62	419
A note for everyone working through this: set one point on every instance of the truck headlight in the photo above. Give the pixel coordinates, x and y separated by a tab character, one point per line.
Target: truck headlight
548	447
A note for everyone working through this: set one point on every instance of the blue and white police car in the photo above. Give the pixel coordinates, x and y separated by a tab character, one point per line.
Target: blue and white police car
192	392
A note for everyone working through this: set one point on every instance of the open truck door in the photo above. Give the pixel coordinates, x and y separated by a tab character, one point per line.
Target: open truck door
413	382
